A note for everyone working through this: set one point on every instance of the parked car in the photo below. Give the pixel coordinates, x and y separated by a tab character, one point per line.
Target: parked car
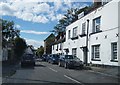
53	58
44	57
70	61
27	59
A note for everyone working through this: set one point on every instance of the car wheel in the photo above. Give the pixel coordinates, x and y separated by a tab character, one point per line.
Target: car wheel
65	65
59	64
51	62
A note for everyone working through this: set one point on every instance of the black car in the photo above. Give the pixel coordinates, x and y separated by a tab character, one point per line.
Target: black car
27	59
44	57
70	61
53	58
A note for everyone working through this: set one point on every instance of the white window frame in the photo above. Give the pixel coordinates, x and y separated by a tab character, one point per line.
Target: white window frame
60	46
96	26
114	51
96	52
75	32
83	28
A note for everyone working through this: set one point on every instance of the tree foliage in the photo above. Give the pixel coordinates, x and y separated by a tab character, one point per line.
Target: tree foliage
19	46
40	51
8	30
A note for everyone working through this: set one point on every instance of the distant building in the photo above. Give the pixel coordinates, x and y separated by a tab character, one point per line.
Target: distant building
48	44
57	46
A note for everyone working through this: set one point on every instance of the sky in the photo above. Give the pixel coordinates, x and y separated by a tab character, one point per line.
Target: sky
36	18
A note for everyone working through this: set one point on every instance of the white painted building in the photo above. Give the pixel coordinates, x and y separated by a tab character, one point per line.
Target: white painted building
101	38
57	47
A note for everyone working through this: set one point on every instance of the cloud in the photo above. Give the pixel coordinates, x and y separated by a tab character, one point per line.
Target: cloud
35	43
17	26
34	32
39	11
42	8
6	9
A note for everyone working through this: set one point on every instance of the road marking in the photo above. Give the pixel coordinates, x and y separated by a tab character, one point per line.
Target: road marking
73	79
53	70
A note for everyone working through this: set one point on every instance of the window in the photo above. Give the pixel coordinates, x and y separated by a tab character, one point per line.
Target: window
114	51
69	34
96	24
53	47
75	32
60	46
74	51
83	28
96	52
57	48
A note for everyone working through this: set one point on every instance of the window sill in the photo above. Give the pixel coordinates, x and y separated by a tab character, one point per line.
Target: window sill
114	60
95	59
73	38
95	32
82	35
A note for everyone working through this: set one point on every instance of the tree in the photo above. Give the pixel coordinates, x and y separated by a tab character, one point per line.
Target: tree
20	46
9	32
40	51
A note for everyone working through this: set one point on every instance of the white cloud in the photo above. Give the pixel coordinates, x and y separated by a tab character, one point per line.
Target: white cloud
39	11
6	9
41	8
59	16
17	26
41	19
35	43
34	32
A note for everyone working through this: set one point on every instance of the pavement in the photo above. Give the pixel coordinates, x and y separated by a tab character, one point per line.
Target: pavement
8	69
45	73
109	71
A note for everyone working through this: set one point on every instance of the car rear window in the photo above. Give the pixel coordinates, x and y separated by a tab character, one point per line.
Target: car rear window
56	56
69	57
28	56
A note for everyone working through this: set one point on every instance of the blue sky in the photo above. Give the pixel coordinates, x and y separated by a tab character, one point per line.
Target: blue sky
36	19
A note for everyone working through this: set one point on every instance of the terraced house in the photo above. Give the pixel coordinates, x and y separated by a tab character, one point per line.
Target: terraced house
94	36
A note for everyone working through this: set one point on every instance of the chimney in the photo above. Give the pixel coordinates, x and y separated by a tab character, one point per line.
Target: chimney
97	3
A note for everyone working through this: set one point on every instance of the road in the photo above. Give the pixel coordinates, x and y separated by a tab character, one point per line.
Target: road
44	72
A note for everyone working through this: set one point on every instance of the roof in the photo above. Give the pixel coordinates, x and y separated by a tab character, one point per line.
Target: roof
51	35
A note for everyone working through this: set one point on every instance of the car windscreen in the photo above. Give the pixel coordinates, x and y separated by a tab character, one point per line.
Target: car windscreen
55	56
69	56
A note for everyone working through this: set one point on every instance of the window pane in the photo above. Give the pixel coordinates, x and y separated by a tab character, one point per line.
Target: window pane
75	32
96	24
83	28
95	51
114	51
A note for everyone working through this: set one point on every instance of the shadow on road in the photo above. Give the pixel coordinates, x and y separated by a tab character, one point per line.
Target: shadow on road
26	67
39	65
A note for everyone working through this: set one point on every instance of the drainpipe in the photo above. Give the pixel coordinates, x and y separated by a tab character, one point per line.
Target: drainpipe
87	42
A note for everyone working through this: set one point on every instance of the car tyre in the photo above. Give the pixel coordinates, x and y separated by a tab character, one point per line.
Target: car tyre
65	65
59	64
